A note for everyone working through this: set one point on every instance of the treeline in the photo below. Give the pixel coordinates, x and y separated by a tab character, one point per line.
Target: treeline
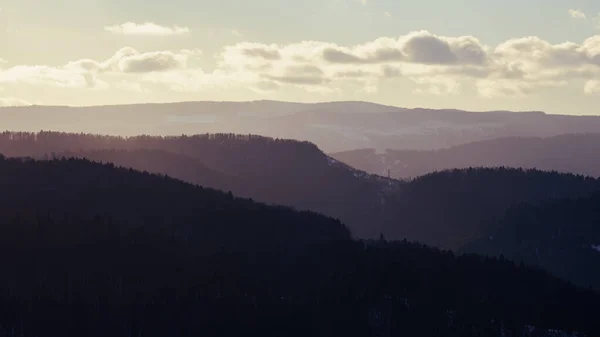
14	143
93	250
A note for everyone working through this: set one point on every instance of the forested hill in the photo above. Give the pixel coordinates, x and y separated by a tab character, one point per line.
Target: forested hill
92	250
174	165
574	153
446	209
208	218
269	170
562	236
454	207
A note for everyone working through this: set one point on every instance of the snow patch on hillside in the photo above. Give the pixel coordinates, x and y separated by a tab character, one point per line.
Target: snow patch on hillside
331	161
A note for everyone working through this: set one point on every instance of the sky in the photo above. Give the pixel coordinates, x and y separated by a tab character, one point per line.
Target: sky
461	54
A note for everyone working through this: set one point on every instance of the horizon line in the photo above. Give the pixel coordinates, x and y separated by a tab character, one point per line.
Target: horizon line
291	102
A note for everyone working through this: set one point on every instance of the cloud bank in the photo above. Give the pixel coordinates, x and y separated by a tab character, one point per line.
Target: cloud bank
435	64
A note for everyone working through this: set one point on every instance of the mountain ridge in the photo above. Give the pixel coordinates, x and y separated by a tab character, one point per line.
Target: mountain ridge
301	175
573	153
314	103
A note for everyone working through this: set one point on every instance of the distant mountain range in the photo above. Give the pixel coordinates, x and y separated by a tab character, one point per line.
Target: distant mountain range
575	153
333	126
221	232
446	209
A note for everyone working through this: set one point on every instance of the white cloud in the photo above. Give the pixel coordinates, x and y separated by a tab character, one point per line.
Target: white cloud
533	58
577	14
591	87
87	73
436	65
147	29
388	14
46	75
416	47
235	32
155	61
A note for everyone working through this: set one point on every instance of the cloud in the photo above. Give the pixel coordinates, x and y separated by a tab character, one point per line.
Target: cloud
388	14
577	14
301	74
129	60
353	74
46	75
146	29
264	52
429	49
418	47
86	73
390	71
235	32
154	61
265	87
337	56
303	80
11	101
533	58
434	64
591	87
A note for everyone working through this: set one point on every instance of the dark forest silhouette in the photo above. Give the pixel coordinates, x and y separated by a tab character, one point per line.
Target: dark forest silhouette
562	236
93	250
449	209
268	170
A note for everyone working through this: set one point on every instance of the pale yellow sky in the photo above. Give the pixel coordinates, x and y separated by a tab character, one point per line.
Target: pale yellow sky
465	54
